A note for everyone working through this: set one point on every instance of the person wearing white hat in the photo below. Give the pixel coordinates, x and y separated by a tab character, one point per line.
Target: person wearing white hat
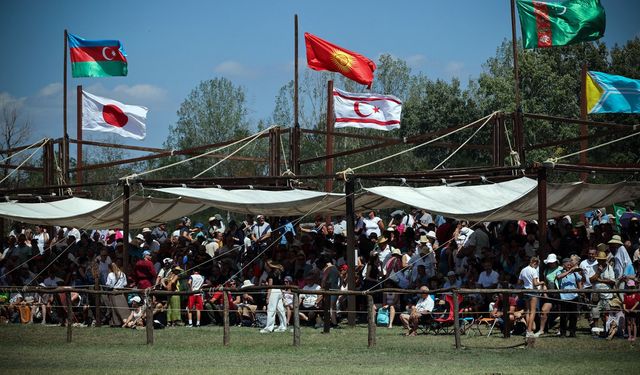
621	258
546	304
137	316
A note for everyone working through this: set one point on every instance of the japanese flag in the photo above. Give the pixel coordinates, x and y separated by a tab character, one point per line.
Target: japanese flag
106	115
371	111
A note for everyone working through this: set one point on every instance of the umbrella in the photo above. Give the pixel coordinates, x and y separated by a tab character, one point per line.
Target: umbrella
626	218
398	212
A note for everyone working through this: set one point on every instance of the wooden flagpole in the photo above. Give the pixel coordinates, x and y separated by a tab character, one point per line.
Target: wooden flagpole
65	134
295	134
328	163
79	179
517	119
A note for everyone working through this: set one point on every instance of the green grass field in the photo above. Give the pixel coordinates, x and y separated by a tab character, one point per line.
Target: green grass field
36	349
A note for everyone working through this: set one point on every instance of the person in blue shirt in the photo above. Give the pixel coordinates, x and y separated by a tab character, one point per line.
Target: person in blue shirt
570	278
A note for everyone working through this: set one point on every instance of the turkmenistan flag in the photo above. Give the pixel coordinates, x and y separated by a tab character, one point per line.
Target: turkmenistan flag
546	24
96	58
608	93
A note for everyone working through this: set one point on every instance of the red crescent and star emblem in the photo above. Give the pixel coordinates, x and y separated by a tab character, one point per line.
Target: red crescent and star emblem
113	115
356	109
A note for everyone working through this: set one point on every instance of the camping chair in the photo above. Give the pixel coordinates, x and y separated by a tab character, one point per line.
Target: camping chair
444	324
490	323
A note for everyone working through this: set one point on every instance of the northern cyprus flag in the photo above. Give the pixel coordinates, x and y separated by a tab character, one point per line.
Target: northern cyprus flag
371	111
110	116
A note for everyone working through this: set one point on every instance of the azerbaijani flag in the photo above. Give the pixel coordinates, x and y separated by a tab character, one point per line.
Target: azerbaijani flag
608	93
549	24
96	58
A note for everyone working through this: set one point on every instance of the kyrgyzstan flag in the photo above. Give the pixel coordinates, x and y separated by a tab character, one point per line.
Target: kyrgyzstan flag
106	115
322	55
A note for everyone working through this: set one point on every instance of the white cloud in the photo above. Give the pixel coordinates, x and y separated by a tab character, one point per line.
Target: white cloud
234	68
144	92
416	60
141	94
8	99
454	68
51	89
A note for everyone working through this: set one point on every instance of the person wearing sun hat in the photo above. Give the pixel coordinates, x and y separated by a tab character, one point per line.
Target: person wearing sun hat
384	250
604	278
621	258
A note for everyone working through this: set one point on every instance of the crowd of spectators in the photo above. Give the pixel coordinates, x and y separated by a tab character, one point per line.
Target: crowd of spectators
409	250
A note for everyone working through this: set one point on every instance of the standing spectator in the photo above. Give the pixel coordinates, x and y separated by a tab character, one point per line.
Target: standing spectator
171	284
260	234
373	224
145	272
603	278
530	279
195	300
160	233
42	238
103	260
274	296
215	225
631	307
118	303
148	242
570	278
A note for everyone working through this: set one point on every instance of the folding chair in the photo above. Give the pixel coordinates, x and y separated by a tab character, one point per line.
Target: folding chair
482	321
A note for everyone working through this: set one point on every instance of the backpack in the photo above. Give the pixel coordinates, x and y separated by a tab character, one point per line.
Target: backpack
382	318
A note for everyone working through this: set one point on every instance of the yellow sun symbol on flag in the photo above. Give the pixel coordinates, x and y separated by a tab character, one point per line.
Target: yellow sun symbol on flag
343	61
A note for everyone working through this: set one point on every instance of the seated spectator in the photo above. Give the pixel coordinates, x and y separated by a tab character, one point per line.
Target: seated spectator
137	315
422	308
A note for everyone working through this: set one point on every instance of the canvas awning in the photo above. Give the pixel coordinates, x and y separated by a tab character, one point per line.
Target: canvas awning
515	199
267	202
89	213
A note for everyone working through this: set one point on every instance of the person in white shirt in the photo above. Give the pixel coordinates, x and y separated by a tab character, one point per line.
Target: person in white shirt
116	279
195	300
489	278
589	265
310	301
385	250
530	279
423	307
43	238
373	224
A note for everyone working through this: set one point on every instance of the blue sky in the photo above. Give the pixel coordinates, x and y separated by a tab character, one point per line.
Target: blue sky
172	46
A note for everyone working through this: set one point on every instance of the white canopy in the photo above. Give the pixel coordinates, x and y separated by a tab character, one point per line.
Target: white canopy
267	202
515	199
89	213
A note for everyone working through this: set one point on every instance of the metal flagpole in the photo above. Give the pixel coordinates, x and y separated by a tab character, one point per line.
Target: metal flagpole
584	132
295	134
517	120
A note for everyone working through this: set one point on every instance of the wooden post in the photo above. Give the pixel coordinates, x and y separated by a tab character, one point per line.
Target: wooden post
371	324
125	225
225	319
295	132
149	320
326	313
349	189
98	299
65	134
584	131
505	315
456	319
277	147
542	212
296	319
79	178
328	163
69	317
516	73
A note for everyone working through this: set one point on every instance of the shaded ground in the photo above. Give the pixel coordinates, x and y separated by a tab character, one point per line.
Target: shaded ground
36	349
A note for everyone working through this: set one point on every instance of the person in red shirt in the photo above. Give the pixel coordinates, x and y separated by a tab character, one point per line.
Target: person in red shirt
144	271
631	307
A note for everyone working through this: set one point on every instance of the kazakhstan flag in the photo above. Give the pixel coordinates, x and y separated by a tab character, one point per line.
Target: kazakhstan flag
607	93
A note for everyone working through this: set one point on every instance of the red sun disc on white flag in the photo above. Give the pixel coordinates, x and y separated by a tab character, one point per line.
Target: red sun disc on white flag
114	116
